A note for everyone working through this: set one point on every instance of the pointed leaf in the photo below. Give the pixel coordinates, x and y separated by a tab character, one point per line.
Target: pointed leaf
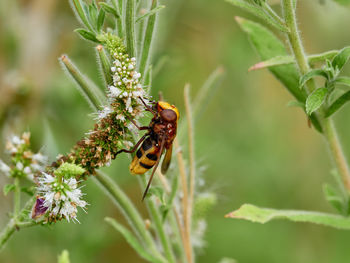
259	12
8	188
315	100
105	65
100	19
338	103
91	93
275	61
268	46
132	240
264	215
149	13
311	74
339	60
294	103
342	81
93	15
284	60
87	35
82	15
109	9
332	197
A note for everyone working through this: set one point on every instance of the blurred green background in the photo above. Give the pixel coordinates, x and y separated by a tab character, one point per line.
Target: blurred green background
256	149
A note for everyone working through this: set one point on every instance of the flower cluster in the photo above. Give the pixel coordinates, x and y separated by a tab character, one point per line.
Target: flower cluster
24	163
59	194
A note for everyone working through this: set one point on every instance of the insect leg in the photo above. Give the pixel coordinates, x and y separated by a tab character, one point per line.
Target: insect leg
154	169
138	127
135	147
148	108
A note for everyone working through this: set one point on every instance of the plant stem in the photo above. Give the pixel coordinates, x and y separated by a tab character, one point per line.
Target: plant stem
183	176
155	214
130	27
330	132
17	198
192	159
128	209
146	44
15	224
335	147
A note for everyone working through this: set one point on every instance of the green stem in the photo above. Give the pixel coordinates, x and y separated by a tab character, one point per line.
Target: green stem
130	27
155	214
335	147
17	197
273	14
15	224
146	44
128	209
330	132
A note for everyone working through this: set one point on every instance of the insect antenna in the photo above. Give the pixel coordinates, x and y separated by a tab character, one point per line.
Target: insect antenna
154	169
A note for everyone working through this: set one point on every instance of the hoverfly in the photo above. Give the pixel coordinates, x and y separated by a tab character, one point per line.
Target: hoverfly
160	136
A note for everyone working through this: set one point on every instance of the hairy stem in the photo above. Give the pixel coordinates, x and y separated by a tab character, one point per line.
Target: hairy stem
15	224
128	209
17	198
130	27
183	177
330	132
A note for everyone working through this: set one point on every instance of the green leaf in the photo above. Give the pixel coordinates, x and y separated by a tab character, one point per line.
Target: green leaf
105	65
315	100
147	40
93	14
109	9
64	257
264	215
132	240
149	13
268	46
8	188
69	170
259	12
30	190
311	74
87	35
100	19
285	60
91	93
338	103
331	196
275	61
295	103
341	58
82	15
342	81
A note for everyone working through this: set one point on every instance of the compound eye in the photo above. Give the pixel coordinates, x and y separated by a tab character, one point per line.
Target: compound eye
168	115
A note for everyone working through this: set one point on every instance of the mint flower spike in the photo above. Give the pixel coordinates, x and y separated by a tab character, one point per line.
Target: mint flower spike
59	194
24	163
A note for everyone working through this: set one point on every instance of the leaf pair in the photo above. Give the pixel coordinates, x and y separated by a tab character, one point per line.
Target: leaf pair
330	72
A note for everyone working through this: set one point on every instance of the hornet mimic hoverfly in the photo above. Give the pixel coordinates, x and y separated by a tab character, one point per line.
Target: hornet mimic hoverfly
160	136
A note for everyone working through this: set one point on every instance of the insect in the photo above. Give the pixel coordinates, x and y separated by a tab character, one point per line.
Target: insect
159	138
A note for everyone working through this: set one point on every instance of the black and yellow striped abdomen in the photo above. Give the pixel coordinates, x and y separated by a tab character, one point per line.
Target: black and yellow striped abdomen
145	158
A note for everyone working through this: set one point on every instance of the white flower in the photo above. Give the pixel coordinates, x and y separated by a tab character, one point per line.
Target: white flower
113	69
16	140
61	196
113	91
19	166
4	168
104	113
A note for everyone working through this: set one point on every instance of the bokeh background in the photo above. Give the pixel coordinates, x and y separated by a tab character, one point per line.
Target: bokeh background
256	149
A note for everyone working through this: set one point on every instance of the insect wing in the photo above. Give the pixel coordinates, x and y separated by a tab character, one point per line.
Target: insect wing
167	159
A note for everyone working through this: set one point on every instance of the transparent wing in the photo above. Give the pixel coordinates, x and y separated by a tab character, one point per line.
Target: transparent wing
167	160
